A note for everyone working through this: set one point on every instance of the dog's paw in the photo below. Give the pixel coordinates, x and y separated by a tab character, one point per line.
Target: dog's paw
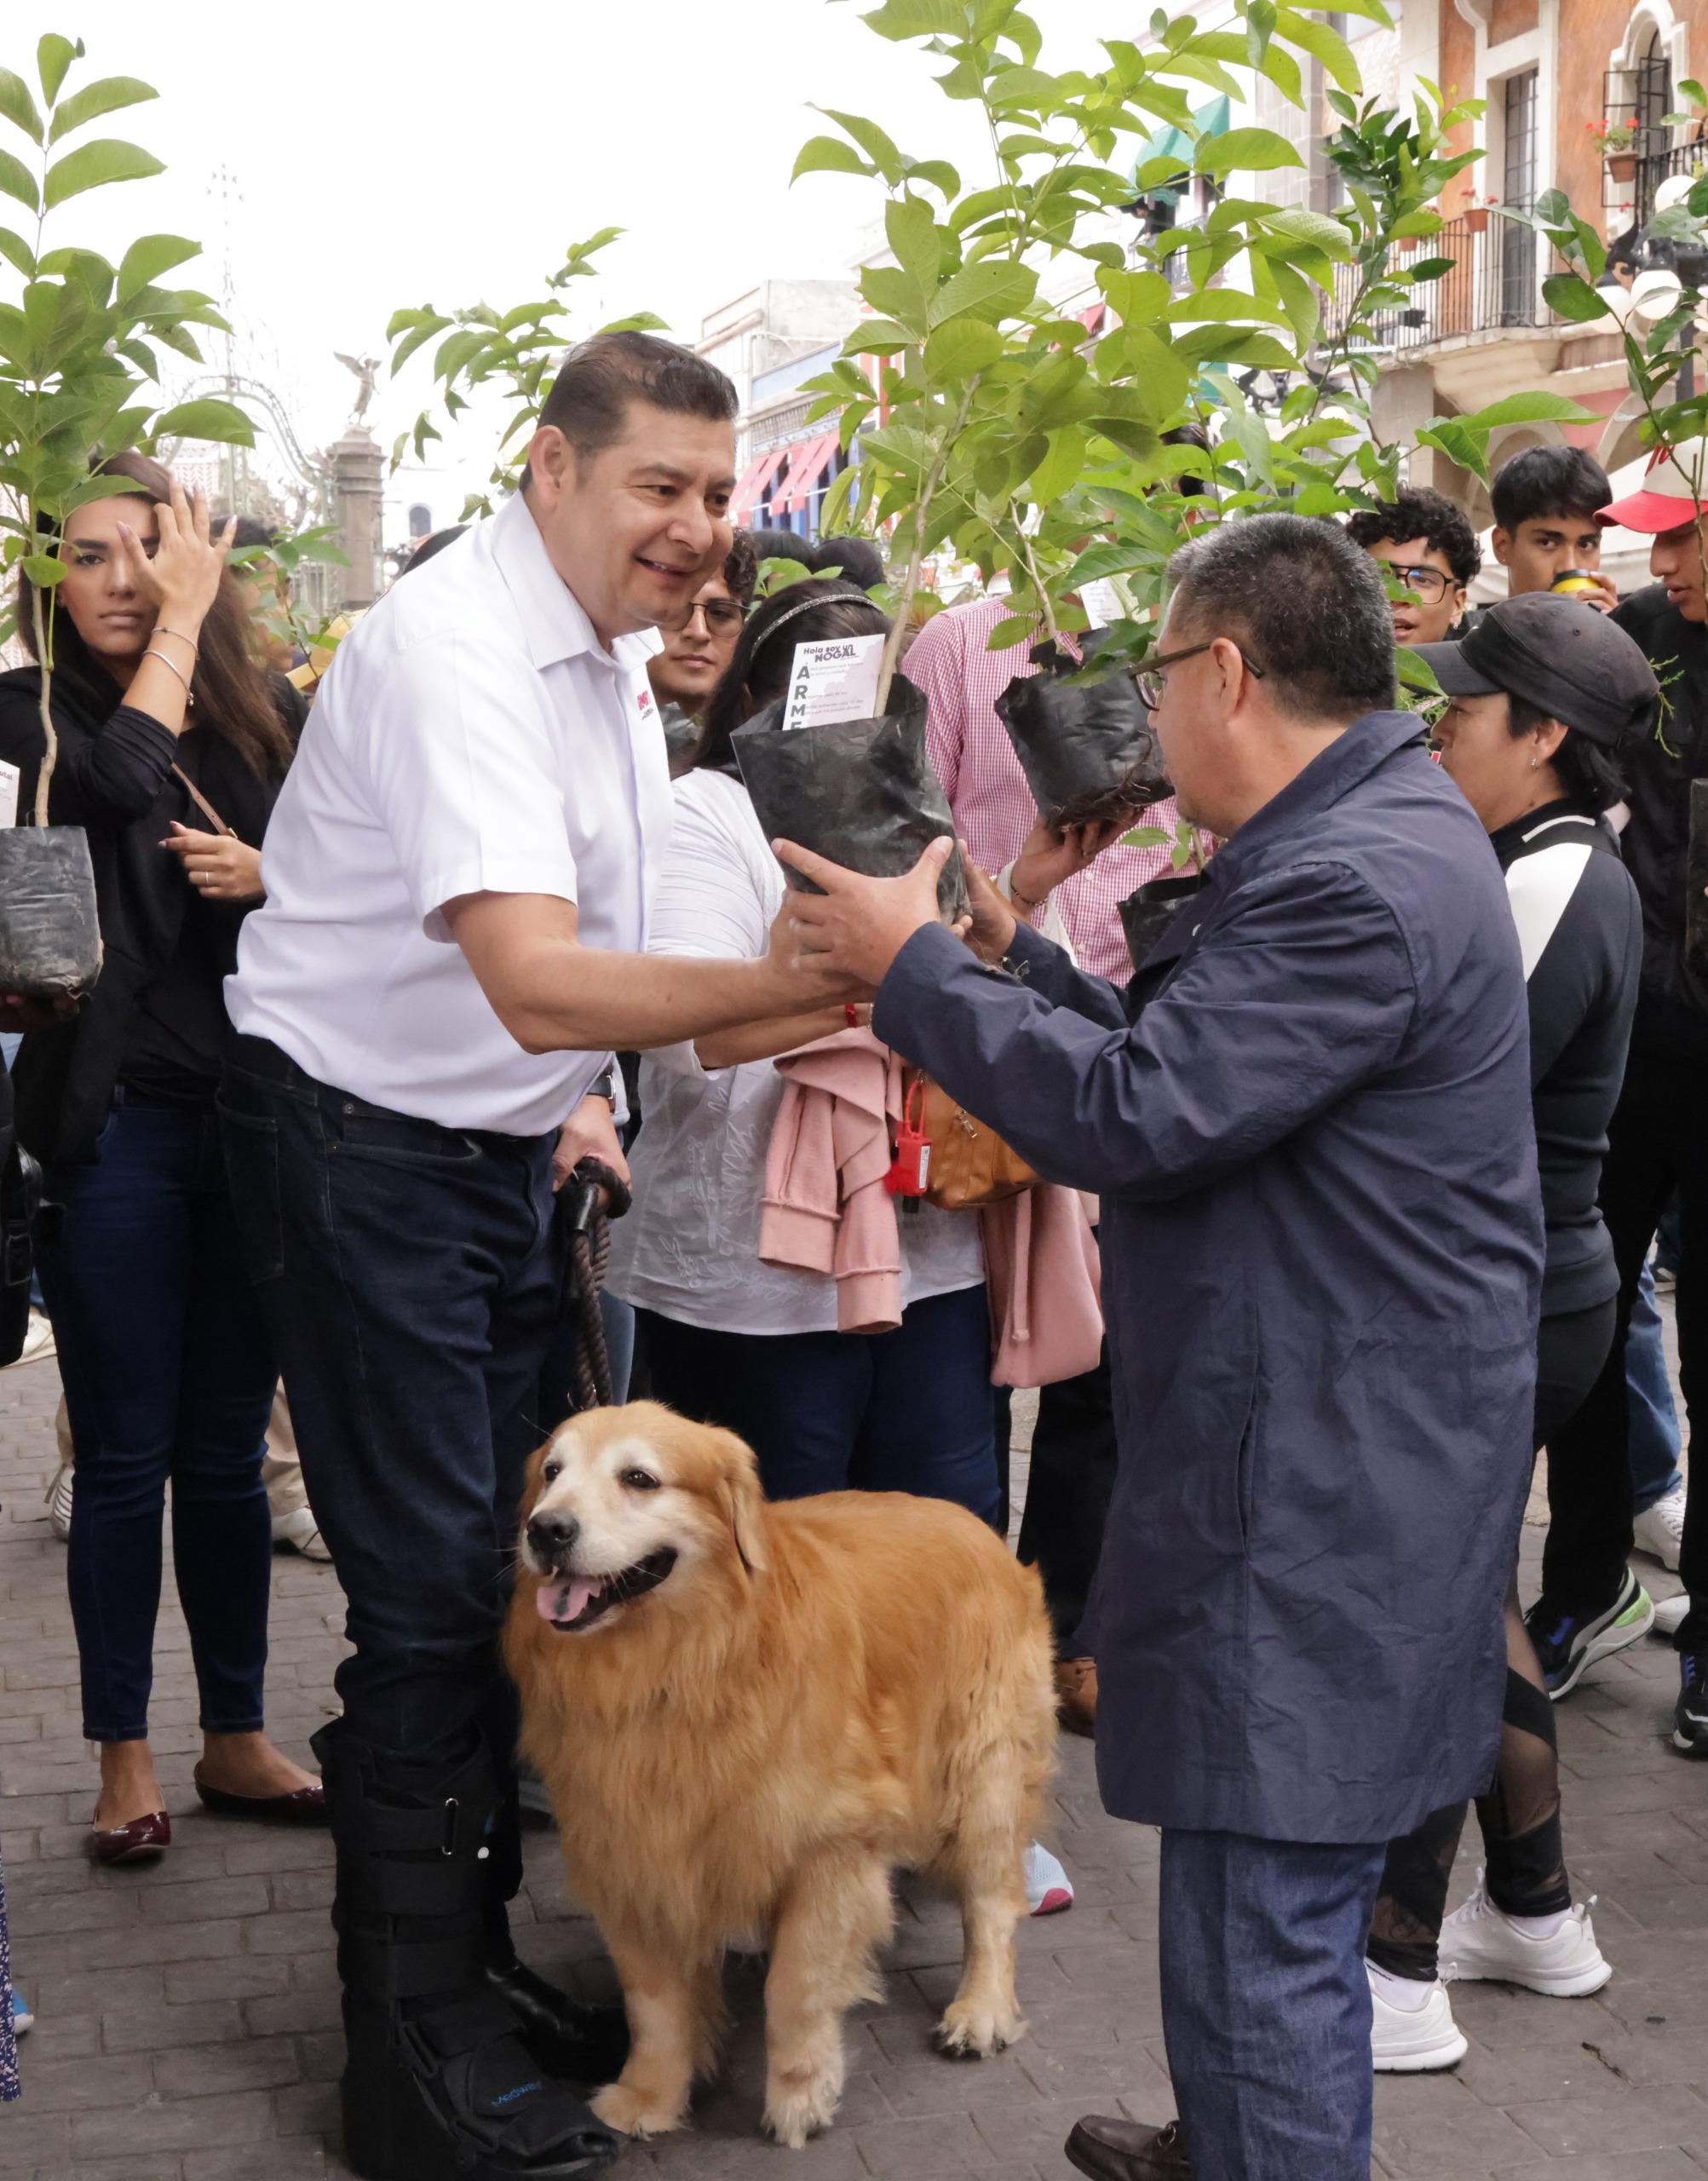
797	2107
634	2112
972	2030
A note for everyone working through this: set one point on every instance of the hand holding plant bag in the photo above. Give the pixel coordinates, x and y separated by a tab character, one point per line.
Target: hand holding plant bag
1086	747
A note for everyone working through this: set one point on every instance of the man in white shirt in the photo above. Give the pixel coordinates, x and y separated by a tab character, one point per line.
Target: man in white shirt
457	874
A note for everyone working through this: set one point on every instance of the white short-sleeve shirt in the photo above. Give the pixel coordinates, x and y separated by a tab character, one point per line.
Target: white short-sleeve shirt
471	735
689	1248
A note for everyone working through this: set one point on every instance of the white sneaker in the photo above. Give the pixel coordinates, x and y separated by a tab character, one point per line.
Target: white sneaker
39	1341
301	1532
58	1497
1669	1615
1049	1889
1659	1528
1411	2040
1554	1955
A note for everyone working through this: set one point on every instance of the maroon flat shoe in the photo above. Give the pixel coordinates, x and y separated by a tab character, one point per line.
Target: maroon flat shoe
140	1842
301	1806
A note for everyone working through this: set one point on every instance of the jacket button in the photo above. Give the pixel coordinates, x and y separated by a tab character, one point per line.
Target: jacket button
348	1108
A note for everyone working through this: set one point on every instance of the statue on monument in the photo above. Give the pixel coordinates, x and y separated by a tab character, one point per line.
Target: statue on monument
364	368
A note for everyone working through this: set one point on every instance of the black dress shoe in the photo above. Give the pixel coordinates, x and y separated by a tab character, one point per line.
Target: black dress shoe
582	2044
1110	2149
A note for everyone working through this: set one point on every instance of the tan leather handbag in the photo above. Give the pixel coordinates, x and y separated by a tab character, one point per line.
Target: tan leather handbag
970	1163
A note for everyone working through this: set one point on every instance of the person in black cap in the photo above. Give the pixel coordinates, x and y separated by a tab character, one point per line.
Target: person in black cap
1543	692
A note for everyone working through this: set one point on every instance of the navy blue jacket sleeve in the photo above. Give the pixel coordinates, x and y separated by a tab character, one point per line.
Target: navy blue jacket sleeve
1303	990
1049	971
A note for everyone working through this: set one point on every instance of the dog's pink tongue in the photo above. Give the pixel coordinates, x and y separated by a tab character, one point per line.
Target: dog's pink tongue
566	1599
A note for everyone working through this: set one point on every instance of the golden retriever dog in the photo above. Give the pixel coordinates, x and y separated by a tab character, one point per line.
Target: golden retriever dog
748	1713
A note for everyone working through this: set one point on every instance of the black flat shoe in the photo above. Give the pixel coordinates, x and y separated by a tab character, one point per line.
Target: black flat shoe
301	1806
582	2044
1110	2149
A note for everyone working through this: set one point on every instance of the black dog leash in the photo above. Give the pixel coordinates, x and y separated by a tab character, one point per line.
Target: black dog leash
593	1196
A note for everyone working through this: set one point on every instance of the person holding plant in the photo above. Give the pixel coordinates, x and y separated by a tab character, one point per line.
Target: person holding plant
1545	693
1308	1118
172	751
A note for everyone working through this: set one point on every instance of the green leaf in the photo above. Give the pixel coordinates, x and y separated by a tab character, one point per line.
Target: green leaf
901	19
17	180
148	257
17	105
53	56
956	351
915	236
828	155
1415	673
991	289
106	96
872	141
91	166
1223	307
1573	298
222	421
14	248
1245	150
1531	409
45	570
1694	91
1326	44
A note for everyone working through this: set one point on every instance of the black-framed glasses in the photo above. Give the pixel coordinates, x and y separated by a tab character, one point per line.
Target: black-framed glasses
1152	684
721	614
1430	583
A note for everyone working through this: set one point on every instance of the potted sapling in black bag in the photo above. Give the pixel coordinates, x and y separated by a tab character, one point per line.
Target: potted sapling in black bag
1085	745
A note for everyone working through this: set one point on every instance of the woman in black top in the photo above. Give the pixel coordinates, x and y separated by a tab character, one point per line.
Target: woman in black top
168	734
1542	690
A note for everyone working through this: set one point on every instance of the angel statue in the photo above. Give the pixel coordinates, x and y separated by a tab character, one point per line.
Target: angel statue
363	367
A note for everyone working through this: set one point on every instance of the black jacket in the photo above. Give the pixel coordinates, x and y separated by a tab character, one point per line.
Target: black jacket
114	778
1672	1004
1580	932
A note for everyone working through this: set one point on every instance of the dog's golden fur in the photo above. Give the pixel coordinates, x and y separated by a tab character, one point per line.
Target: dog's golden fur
820	1691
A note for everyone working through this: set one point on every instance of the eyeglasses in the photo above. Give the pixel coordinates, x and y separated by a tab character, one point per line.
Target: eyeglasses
721	614
1153	686
1430	583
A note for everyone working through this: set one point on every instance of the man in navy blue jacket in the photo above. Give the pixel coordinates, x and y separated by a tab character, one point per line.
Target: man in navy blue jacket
1309	1120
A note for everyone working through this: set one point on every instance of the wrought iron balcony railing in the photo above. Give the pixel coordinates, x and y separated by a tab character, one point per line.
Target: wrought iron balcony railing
1493	283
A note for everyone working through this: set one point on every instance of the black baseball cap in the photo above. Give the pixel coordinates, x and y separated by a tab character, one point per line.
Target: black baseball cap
1571	662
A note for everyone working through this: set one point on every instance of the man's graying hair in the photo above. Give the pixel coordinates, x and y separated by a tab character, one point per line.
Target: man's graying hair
1304	604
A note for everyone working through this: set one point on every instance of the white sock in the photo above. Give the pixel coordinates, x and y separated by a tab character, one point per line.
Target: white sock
1404	1993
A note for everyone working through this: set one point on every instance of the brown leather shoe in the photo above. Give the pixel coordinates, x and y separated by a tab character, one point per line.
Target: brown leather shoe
1076	1695
301	1806
139	1842
1109	2149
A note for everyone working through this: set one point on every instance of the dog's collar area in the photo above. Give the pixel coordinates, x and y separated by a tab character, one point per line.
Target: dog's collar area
572	1602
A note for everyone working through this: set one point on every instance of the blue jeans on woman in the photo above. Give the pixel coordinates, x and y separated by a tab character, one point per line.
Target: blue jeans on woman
169	1374
910	1410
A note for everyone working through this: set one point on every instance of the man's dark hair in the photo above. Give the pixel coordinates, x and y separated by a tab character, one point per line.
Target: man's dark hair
1589	772
1420	514
1561	481
248	530
741	567
810	613
601	377
1303	603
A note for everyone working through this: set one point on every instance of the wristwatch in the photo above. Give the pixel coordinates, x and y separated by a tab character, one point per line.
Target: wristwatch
603	1086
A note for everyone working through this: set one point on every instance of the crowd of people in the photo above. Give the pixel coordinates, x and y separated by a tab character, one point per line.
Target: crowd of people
1339	1204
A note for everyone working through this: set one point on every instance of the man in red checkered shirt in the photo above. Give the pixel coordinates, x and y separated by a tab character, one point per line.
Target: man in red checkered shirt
1073	1441
971	754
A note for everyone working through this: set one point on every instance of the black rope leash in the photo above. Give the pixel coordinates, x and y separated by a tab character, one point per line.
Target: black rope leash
593	1196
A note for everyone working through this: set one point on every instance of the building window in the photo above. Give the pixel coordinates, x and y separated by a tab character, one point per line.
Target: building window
1518	189
1653	87
420	521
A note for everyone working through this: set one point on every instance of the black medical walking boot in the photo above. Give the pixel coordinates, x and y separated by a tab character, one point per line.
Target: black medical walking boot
439	2085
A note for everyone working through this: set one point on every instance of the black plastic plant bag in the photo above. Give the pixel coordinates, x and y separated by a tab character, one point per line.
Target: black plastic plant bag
50	929
1087	749
861	792
1146	914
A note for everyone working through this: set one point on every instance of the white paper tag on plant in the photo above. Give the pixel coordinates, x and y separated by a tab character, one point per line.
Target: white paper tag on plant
834	681
8	794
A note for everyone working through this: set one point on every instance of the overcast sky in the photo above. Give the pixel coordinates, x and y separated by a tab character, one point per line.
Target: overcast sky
380	156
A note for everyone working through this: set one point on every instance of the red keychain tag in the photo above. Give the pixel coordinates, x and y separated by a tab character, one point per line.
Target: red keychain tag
910	1170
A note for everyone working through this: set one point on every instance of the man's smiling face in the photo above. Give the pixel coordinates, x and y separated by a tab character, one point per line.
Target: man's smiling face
636	530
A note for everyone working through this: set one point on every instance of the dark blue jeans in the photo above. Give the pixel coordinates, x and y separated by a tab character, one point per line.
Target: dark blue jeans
407	1273
167	1374
1266	2004
907	1411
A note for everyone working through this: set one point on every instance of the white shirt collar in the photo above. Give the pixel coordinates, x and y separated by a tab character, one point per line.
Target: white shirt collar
554	621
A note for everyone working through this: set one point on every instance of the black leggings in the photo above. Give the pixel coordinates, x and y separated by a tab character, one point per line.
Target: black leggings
1520	1814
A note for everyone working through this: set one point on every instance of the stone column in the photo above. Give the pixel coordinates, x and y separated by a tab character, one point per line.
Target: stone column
357	489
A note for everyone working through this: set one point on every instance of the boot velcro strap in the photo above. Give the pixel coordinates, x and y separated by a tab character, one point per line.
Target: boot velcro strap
377	1885
413	1968
464	2026
453	1826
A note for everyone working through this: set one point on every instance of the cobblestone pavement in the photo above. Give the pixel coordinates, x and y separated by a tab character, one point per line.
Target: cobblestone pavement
187	2014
